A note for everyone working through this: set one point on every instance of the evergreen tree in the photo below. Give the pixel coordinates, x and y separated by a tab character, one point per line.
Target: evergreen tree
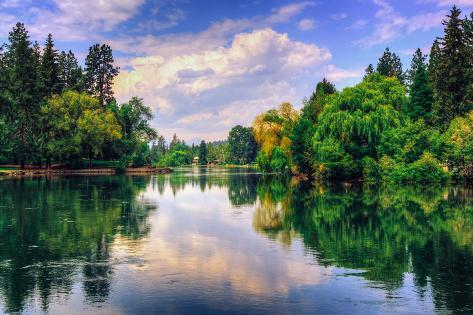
433	62
242	144
452	72
175	141
70	73
421	98
49	69
418	60
100	72
368	71
314	105
390	65
203	153
22	90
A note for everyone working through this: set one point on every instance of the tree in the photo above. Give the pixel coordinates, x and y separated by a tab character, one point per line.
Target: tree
175	140
203	153
242	145
100	72
273	128
70	73
22	90
50	69
418	60
301	146
368	71
421	98
315	104
352	123
453	69
390	65
78	123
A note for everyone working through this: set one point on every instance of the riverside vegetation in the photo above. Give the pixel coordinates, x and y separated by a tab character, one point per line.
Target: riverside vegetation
395	125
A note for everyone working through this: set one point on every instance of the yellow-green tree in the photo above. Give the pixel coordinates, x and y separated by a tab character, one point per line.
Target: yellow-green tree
75	123
273	128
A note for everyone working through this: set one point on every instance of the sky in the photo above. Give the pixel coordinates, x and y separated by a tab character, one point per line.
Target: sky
205	66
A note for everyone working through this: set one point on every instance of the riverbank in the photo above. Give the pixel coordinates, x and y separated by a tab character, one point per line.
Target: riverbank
84	172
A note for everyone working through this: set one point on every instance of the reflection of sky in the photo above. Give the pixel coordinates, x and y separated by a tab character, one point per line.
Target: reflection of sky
202	255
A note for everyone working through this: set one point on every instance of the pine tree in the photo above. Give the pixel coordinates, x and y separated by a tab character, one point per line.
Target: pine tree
21	59
314	105
452	79
70	73
433	62
203	153
421	98
49	69
100	72
390	65
418	60
368	71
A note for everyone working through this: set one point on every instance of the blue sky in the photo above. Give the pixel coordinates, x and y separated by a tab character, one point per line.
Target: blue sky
205	66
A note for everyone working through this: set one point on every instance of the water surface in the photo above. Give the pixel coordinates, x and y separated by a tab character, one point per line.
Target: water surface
229	241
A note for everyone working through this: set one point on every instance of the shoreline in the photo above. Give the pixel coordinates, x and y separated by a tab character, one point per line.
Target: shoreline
84	172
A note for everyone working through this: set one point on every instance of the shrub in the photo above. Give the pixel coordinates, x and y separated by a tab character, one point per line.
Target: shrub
279	161
425	170
371	169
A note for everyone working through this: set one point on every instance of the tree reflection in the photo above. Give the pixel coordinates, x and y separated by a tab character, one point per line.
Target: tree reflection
385	232
55	230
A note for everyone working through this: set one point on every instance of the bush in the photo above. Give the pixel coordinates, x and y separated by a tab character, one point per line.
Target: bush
279	161
425	170
262	159
371	170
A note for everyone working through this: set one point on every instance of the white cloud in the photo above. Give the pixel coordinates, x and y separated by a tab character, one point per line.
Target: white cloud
357	25
335	74
306	24
195	88
71	19
391	25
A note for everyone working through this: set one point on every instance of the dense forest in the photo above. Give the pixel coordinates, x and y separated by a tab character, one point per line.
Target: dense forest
399	125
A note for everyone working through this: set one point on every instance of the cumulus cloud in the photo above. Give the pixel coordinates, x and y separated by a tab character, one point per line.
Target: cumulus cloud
335	74
390	25
210	86
306	24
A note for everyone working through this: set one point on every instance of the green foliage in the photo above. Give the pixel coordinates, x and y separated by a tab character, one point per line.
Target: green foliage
263	161
203	153
421	98
425	170
301	146
317	101
100	72
178	158
371	169
242	144
279	162
352	123
390	65
459	146
408	142
453	79
50	69
77	121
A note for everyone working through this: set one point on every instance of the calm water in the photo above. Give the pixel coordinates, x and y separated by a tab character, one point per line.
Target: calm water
232	242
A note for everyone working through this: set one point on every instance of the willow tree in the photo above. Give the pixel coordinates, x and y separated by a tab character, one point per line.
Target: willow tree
273	128
351	124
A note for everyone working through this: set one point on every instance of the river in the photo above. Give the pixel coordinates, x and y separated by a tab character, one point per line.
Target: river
213	240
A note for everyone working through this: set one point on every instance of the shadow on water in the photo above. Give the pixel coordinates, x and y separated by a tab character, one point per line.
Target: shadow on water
55	233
